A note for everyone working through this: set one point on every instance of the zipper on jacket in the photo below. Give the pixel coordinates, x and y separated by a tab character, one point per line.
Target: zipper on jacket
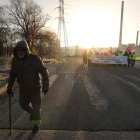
22	73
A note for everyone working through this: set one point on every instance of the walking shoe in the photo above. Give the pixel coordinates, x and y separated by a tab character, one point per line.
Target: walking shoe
35	129
37	124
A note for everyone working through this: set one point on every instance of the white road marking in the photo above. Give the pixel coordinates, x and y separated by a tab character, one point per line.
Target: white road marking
52	79
51	68
133	77
65	72
64	65
129	83
94	93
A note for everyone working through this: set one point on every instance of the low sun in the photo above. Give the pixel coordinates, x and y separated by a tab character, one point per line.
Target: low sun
88	30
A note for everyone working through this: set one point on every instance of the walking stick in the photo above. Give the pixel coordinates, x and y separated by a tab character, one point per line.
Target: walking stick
10	111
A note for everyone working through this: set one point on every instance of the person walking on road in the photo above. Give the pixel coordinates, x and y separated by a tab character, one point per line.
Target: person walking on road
89	57
27	67
85	60
125	54
133	58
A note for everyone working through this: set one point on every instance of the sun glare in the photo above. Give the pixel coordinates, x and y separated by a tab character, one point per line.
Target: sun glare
93	29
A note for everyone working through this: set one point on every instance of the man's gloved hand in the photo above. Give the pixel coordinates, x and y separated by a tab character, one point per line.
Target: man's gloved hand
45	91
10	92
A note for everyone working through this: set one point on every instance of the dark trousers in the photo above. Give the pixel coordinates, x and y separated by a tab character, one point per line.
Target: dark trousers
129	62
133	62
34	108
89	62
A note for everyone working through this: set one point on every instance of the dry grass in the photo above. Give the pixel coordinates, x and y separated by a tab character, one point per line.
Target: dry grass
3	79
53	60
5	60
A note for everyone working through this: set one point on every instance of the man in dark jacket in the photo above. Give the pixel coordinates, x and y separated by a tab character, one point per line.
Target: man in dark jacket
26	68
125	54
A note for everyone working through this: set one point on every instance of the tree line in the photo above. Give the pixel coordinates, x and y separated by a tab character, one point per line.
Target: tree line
24	19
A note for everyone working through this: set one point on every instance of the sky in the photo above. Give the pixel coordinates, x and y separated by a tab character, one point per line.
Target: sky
94	22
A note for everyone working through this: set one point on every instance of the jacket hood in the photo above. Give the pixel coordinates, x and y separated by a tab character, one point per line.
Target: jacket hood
23	45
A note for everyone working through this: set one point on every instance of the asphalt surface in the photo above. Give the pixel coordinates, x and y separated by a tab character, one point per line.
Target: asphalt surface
102	104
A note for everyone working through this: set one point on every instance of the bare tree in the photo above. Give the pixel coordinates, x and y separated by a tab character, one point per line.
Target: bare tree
28	19
47	43
5	35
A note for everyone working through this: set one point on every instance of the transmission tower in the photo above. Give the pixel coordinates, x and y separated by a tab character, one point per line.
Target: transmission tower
62	35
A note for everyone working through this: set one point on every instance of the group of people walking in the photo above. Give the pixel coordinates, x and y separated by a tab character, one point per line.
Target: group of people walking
131	57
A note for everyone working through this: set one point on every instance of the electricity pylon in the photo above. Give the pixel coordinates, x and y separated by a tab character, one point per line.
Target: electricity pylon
62	35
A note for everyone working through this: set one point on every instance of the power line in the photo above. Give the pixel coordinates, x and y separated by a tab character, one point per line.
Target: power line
95	5
48	3
102	5
106	8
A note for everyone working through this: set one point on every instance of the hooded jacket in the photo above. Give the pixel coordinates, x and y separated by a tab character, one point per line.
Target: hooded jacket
28	72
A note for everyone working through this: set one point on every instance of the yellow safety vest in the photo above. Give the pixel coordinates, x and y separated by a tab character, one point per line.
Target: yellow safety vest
89	56
134	57
120	54
130	57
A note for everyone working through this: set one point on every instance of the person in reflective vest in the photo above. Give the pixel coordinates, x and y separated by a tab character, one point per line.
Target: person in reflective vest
133	58
120	53
130	59
89	57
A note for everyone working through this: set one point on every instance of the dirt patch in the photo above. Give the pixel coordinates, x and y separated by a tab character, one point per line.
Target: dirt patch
3	79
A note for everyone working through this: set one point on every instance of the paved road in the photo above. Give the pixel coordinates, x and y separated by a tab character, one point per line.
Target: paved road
106	98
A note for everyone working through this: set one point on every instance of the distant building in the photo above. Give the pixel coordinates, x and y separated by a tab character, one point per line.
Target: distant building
125	46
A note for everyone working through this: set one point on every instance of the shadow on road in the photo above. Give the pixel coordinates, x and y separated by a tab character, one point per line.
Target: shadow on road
31	136
19	136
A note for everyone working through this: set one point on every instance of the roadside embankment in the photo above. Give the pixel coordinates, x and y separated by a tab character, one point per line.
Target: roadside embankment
7	60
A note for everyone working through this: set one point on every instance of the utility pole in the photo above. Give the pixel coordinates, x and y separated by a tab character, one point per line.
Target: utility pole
137	38
62	35
121	23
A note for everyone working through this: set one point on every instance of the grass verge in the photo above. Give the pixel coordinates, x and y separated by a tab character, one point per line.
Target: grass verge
53	60
5	60
3	79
